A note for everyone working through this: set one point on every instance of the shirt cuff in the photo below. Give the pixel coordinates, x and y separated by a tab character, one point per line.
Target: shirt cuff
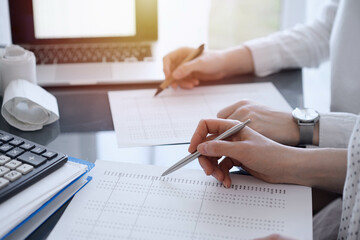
265	53
335	129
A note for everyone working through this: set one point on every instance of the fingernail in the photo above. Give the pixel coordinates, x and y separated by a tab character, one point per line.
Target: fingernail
215	175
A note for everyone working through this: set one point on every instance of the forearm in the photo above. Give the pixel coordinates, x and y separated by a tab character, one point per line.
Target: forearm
237	60
321	168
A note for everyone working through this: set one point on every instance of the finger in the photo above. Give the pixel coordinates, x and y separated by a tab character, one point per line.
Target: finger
187	68
226	112
172	60
210	167
206	165
219	148
209	126
225	167
188	83
166	66
174	85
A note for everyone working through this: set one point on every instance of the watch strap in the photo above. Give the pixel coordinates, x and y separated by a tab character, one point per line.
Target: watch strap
306	133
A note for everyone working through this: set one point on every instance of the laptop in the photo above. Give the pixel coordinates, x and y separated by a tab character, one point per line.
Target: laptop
86	42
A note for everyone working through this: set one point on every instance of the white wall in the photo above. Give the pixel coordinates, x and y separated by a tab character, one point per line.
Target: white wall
316	81
182	23
293	12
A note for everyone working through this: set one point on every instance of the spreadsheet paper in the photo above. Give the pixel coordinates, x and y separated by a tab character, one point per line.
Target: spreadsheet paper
132	201
140	119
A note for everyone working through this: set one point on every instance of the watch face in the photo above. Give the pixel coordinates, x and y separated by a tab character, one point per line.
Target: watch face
305	114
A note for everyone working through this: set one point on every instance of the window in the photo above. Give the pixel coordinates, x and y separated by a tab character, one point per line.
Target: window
232	22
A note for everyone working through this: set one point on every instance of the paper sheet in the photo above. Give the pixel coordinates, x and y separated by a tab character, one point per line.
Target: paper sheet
140	119
17	208
130	201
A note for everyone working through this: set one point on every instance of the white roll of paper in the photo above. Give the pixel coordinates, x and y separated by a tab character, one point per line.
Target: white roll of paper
17	63
28	107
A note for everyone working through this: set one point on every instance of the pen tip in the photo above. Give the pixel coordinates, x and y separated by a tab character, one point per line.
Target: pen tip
159	90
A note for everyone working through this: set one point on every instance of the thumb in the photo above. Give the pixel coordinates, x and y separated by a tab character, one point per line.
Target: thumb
186	69
217	148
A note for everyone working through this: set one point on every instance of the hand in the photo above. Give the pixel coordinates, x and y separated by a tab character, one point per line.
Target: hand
246	149
211	65
274	237
276	125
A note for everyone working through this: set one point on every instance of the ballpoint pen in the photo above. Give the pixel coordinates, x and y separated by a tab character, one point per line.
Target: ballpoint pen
189	158
194	54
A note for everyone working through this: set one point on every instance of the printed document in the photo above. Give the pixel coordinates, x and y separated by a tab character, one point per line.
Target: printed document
140	119
131	201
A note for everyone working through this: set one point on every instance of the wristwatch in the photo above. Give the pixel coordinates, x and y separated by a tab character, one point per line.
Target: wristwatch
306	118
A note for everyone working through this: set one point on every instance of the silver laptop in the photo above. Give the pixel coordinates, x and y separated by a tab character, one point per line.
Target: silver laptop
82	42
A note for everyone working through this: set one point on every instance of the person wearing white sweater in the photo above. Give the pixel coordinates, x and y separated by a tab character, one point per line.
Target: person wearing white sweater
334	35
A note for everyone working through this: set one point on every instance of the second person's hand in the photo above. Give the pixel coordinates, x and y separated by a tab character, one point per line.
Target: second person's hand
274	124
211	65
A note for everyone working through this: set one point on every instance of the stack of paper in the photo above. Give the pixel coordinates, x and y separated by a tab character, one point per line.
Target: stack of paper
25	211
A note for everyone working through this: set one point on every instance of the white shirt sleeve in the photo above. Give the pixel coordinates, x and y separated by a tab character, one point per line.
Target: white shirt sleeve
335	129
302	46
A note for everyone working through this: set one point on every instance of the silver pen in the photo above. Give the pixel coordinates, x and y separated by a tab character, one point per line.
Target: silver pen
189	158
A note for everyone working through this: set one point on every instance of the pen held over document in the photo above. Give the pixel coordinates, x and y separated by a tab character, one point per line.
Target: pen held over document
194	54
196	154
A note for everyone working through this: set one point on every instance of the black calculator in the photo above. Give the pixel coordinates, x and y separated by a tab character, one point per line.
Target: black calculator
23	162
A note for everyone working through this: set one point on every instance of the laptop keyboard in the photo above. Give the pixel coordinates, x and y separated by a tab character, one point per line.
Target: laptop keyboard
23	162
52	54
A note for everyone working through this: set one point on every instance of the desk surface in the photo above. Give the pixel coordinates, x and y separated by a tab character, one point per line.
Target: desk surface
85	129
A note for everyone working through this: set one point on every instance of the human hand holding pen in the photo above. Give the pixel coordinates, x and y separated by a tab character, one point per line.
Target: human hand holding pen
260	156
193	54
211	65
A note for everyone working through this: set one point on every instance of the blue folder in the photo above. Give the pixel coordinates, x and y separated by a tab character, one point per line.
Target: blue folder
89	165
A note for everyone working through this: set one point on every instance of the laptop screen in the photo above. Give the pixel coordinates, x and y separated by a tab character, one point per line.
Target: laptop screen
82	21
83	18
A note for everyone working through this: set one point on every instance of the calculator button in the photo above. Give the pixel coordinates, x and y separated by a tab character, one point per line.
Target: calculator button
25	168
4	170
13	164
6	138
4	159
3	182
38	150
6	147
49	154
27	146
12	176
32	159
16	142
15	152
